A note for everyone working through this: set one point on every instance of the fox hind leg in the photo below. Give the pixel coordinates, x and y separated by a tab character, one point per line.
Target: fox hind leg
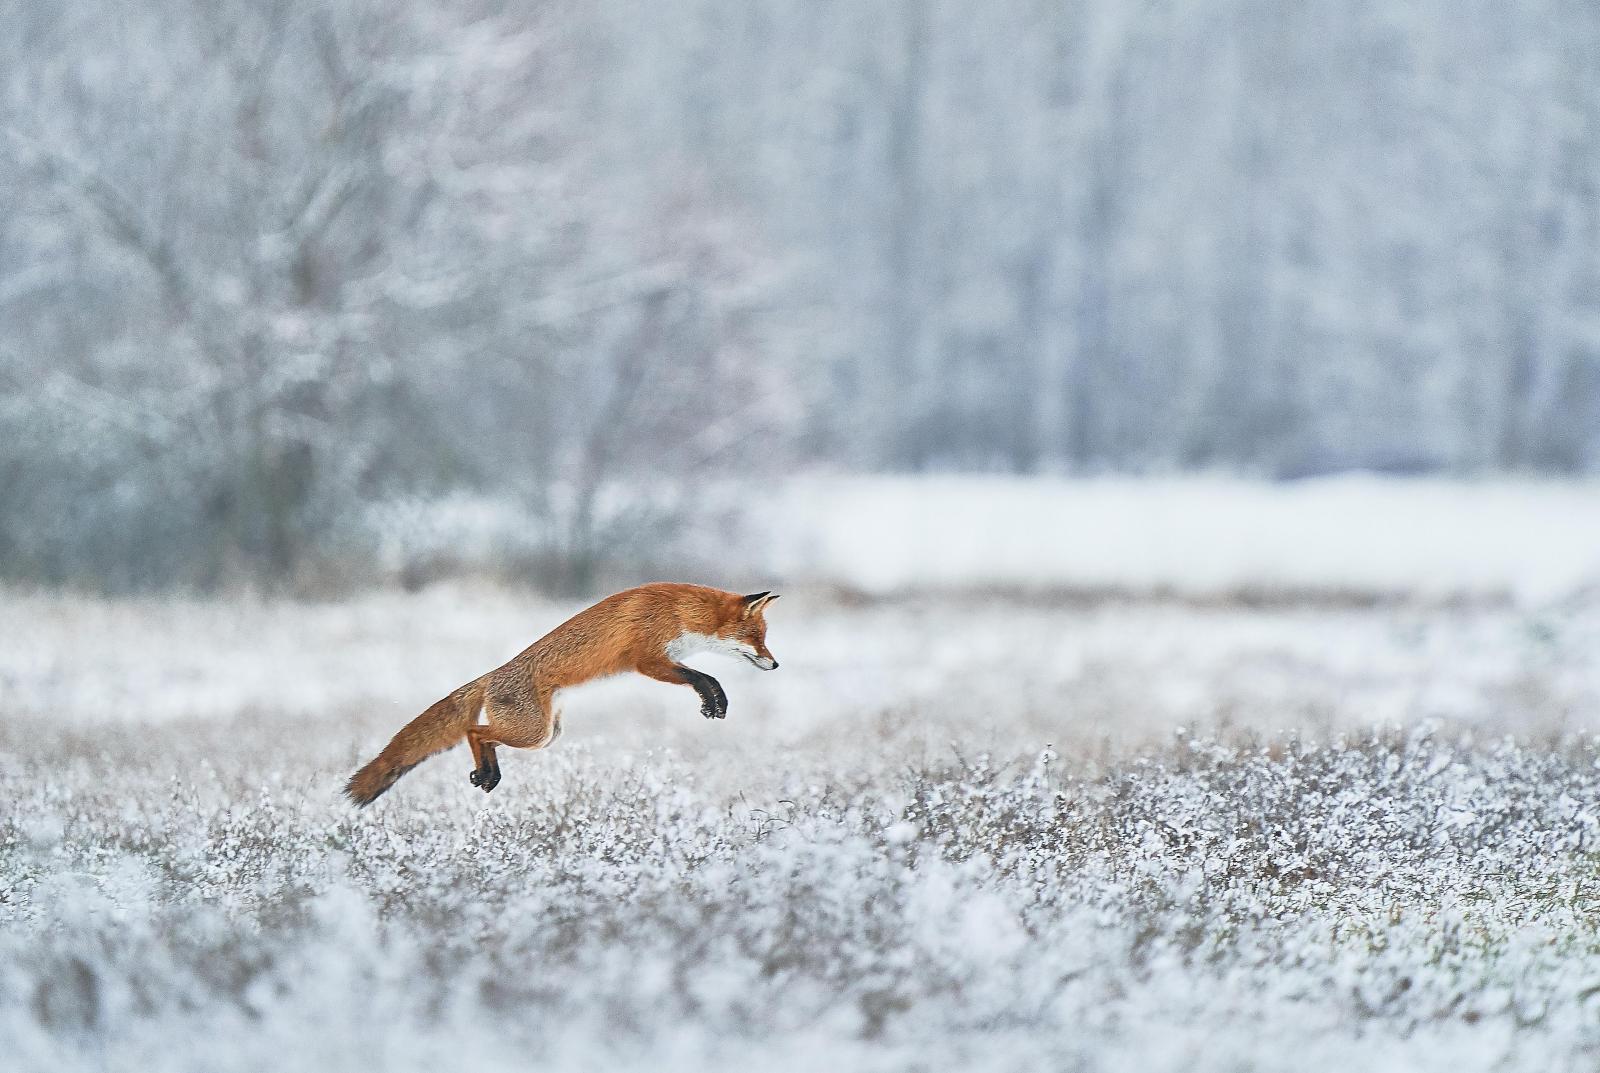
555	727
514	725
485	774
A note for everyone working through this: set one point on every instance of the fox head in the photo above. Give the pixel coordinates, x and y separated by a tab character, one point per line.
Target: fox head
746	631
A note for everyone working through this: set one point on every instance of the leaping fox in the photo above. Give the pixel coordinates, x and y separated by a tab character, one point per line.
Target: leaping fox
651	629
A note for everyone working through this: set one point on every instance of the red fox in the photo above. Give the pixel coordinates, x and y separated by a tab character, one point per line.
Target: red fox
651	629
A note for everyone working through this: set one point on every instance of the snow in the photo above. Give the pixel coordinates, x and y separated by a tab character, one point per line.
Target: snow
1203	906
1113	819
1127	669
1354	537
1194	536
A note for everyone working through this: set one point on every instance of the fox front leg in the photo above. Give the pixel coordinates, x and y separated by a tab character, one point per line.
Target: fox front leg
713	701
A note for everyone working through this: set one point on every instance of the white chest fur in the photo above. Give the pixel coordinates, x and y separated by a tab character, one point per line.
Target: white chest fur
687	644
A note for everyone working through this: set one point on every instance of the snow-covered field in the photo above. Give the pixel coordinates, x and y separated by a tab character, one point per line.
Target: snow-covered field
1346	536
950	833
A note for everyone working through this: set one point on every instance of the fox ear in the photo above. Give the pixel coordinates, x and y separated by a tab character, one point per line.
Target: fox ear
756	601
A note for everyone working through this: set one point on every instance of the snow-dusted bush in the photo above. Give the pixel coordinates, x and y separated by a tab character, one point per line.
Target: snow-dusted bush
1412	899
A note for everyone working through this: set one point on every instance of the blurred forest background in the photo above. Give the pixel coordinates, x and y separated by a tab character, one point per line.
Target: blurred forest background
282	279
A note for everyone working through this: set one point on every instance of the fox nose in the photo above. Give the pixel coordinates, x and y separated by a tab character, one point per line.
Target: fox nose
774	665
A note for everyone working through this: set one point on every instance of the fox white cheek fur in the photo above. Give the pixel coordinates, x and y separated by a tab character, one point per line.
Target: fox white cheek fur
687	644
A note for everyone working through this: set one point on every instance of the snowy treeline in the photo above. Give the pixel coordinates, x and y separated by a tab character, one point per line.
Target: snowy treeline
262	263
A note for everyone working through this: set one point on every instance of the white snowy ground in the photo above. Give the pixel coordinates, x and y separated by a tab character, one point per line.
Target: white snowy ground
1353	535
960	832
1348	537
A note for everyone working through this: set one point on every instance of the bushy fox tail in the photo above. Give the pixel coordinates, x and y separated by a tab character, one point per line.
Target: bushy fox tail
434	731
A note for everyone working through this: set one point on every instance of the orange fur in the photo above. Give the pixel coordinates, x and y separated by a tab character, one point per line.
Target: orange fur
630	631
